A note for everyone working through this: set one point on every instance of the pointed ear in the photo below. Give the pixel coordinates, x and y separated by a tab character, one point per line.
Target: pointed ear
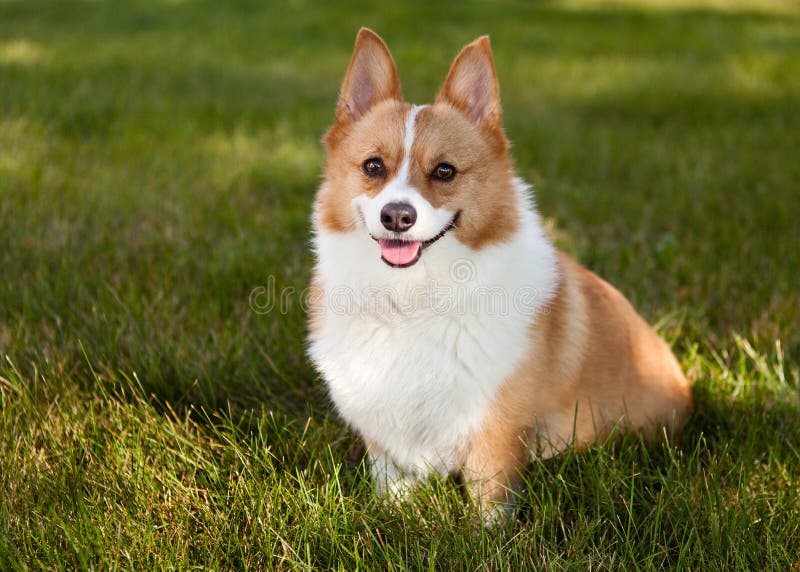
471	85
371	77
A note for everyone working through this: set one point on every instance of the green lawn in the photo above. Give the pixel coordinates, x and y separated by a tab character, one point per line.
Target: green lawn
157	163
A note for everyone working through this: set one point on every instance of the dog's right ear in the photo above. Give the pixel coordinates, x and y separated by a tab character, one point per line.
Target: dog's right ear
371	78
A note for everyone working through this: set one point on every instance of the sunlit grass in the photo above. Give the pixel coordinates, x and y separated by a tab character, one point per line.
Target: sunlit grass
20	52
732	6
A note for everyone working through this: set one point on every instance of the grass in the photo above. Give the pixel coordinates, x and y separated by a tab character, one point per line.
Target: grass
157	163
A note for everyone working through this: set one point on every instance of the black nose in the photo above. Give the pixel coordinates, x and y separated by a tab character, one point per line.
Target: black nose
398	217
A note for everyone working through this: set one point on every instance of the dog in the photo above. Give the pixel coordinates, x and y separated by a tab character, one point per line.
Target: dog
450	332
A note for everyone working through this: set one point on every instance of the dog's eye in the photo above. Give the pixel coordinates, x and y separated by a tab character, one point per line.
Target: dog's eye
373	167
443	172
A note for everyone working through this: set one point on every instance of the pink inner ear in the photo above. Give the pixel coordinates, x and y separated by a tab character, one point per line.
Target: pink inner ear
361	92
472	87
477	101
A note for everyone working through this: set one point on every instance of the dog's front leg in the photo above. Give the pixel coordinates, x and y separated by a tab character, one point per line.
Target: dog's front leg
389	480
491	469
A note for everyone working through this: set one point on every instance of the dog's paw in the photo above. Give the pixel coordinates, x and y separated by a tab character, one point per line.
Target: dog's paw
496	514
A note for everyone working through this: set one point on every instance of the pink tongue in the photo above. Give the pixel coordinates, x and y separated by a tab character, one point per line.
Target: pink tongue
400	252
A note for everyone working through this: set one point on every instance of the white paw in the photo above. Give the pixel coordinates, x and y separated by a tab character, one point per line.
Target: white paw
391	481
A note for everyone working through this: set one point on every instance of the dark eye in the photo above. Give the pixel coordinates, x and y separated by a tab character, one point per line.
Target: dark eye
373	167
443	172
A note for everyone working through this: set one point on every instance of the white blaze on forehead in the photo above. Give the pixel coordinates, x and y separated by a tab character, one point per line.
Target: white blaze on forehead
430	220
408	141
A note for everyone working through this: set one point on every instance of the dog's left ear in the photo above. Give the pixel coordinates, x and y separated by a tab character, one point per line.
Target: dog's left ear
471	85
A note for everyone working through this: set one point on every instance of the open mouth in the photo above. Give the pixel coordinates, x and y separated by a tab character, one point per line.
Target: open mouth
400	253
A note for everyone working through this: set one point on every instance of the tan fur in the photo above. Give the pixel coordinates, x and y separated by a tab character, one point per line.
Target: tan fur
471	86
368	123
482	190
594	364
371	78
379	133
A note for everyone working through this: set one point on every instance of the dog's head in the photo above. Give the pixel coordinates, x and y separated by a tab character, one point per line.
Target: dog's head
408	175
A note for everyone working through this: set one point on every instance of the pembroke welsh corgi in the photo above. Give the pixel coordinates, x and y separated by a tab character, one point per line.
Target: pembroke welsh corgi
451	333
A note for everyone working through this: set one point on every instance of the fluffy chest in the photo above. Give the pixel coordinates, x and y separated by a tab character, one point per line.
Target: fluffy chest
414	357
417	385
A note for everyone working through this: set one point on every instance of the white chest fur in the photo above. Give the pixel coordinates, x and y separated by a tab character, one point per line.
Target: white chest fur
413	357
